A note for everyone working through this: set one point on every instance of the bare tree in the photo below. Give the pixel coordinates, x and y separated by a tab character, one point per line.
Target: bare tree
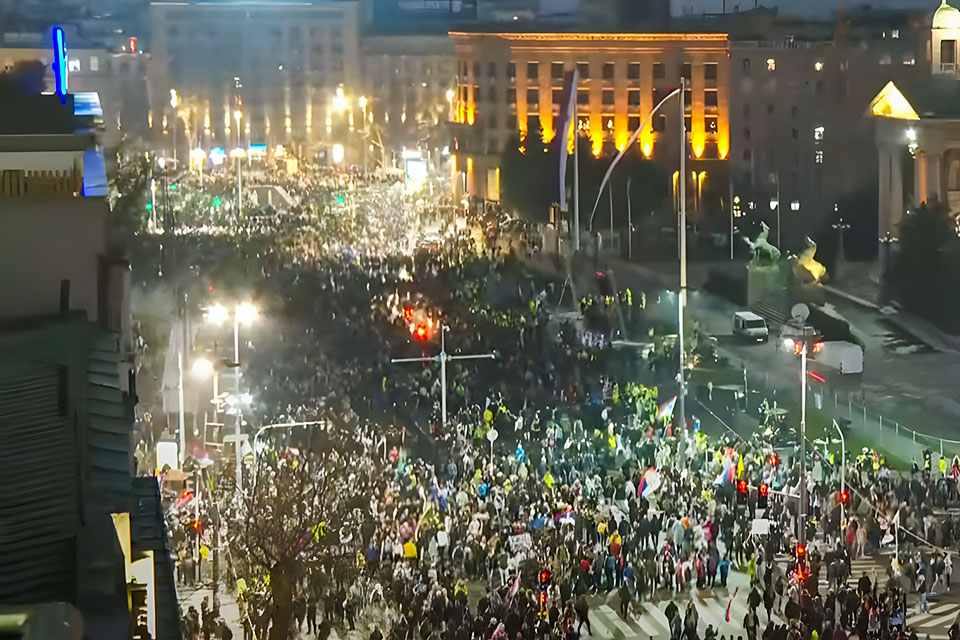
290	522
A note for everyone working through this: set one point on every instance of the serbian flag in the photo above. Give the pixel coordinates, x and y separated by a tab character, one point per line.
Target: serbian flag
666	409
568	105
649	483
515	586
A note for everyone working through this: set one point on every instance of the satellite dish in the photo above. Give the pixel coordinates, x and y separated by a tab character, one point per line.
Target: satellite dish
800	312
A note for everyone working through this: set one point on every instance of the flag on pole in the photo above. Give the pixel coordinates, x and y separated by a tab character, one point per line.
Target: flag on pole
896	518
568	104
515	586
666	409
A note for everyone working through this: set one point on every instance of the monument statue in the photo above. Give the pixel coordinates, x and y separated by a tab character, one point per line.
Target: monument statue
764	253
813	269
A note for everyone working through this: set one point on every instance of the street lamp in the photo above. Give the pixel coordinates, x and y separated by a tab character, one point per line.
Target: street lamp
363	107
843	472
244	313
174	101
197	157
239	154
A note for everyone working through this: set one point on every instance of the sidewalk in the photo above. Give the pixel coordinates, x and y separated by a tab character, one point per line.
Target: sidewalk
229	611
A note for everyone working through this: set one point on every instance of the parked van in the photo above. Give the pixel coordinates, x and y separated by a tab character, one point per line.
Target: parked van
749	325
846	357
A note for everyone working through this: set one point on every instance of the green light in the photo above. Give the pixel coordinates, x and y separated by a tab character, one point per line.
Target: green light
217	201
173	187
340	199
149	206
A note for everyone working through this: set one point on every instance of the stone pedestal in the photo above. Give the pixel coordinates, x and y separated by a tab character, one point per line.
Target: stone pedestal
764	282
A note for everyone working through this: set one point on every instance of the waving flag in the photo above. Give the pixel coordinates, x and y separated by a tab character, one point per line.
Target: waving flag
568	105
649	483
515	586
666	409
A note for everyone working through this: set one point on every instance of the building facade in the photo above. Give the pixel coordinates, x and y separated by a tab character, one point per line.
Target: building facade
264	72
511	83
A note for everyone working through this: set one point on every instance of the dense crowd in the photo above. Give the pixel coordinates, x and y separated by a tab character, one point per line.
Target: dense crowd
559	455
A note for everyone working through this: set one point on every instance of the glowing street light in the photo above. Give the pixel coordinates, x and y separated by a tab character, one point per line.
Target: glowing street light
202	368
246	313
338	153
339	100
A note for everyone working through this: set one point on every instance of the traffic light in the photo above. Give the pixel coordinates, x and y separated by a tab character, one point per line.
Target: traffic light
149	206
844	497
421	332
801	552
407	312
742	490
762	496
340	199
774	459
174	186
217	201
801	573
544	579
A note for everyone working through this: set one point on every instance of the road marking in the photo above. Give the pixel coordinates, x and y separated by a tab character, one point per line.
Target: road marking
936	622
614	617
714	612
595	623
647	625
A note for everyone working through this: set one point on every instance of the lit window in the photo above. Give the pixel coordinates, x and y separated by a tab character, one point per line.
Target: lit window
819	156
909	60
818	65
73	65
94	63
885	59
771	64
895	34
818	134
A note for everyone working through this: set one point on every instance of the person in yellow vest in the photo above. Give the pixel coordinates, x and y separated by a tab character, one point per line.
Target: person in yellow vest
943	467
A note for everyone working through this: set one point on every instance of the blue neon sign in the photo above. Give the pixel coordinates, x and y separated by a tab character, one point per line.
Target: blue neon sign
60	66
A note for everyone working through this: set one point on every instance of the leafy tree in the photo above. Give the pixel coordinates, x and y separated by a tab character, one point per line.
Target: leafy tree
928	246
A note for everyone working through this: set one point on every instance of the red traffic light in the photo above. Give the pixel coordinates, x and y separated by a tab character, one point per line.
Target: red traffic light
543	598
801	551
797	348
800	574
844	497
407	312
763	490
421	332
545	577
742	486
774	459
817	346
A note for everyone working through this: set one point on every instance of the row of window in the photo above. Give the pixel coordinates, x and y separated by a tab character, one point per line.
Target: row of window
557	70
659	123
711	98
294	33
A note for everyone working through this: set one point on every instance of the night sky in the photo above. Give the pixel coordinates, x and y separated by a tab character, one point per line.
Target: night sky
807	8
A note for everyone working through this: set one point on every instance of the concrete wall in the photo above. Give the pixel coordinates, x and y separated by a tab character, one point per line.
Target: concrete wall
44	241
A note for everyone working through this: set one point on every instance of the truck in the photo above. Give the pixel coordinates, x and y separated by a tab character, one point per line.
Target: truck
749	325
845	357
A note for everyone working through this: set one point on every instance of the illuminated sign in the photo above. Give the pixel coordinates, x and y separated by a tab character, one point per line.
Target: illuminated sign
60	66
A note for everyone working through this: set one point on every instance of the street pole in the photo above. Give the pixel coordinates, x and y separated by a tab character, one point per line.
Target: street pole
443	357
843	471
801	520
610	195
730	181
181	427
779	245
682	178
239	186
629	224
239	408
576	177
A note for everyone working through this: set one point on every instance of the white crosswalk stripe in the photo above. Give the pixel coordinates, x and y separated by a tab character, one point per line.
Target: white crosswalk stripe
937	622
647	620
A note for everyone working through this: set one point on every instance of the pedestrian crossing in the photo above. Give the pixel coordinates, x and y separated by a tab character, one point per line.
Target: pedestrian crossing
934	625
648	620
874	566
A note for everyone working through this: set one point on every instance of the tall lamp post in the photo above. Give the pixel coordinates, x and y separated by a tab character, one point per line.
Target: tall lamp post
363	108
843	470
443	357
245	314
239	154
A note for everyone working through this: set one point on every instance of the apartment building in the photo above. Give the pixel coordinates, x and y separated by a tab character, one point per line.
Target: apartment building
511	83
263	72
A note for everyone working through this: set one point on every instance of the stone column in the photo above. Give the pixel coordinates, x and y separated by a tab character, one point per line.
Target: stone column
934	173
920	178
883	197
896	189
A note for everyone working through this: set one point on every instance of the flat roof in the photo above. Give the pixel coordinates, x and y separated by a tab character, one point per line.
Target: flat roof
598	36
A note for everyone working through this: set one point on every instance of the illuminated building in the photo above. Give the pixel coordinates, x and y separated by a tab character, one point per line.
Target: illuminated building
917	140
279	59
510	83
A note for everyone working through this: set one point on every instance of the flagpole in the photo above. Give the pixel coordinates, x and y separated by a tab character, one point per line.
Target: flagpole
681	299
576	169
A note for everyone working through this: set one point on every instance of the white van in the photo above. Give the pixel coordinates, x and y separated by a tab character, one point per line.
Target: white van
845	357
750	326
